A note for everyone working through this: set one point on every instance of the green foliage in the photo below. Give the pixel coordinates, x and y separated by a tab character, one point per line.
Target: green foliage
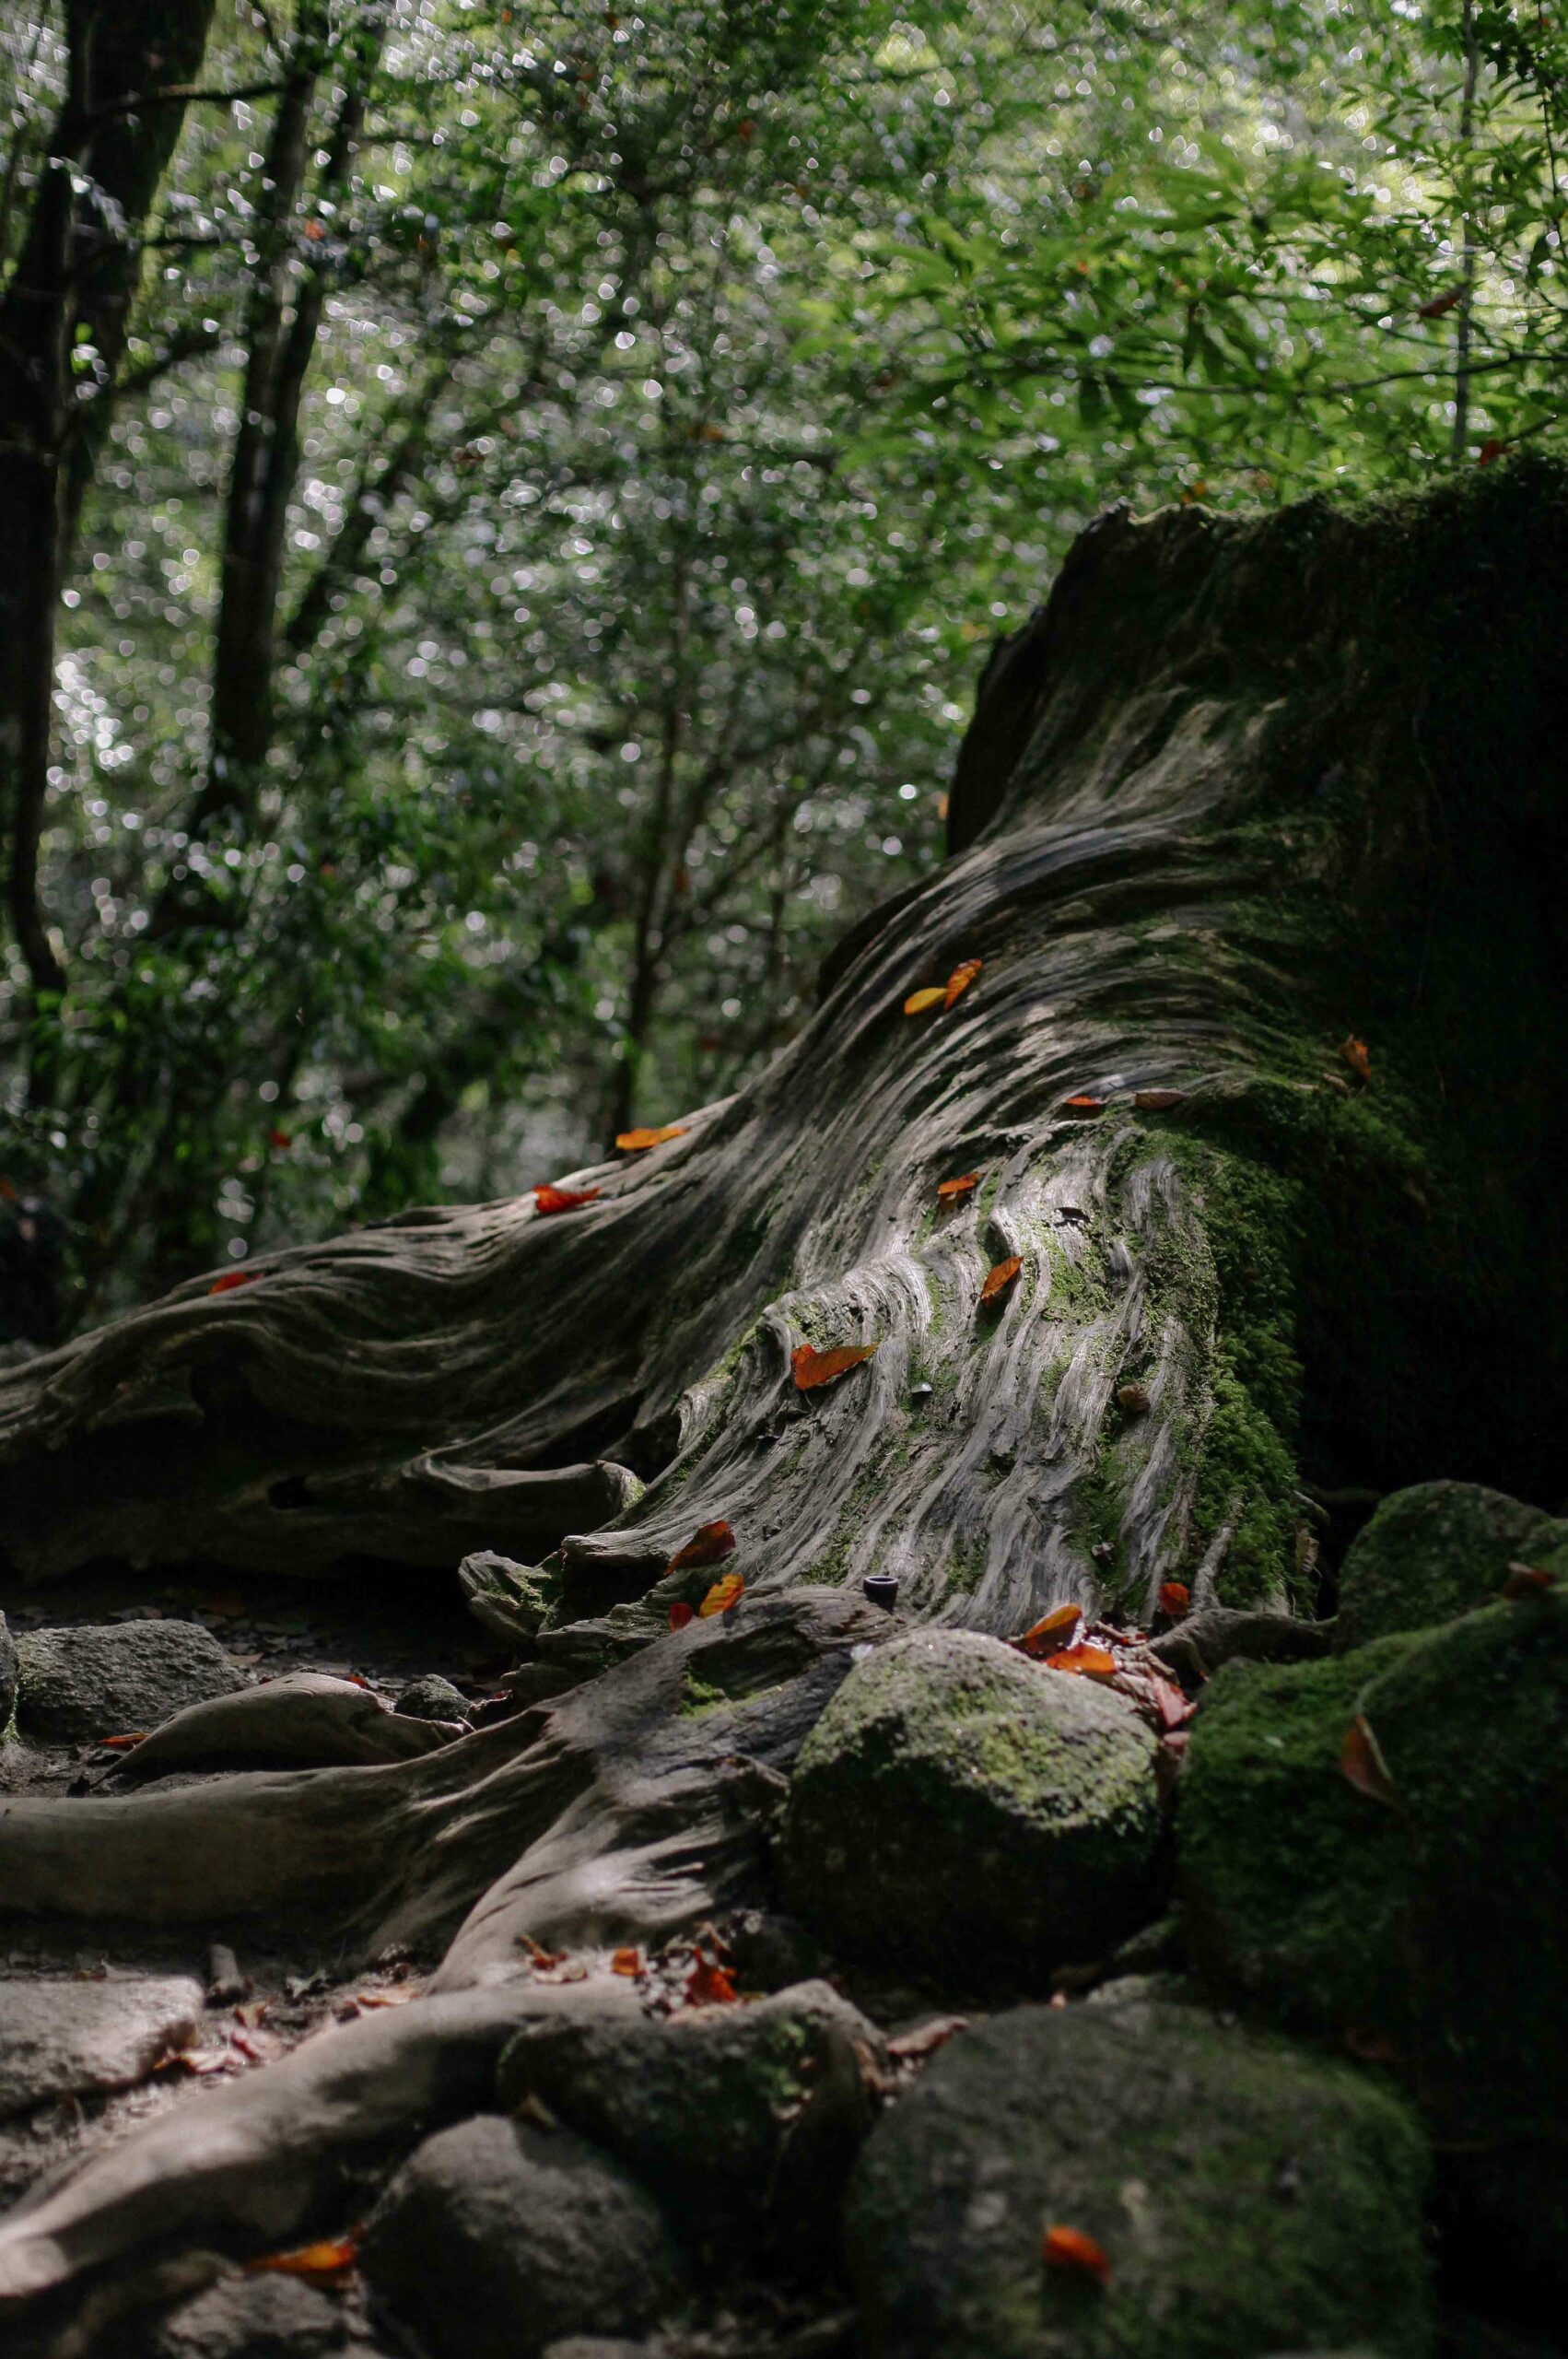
692	394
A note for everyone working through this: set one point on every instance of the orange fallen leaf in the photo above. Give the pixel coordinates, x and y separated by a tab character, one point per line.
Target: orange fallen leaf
960	979
629	1962
1087	1662
959	1187
549	1199
314	231
634	1141
1046	1636
1000	1276
935	995
723	1597
814	1369
324	2263
1158	1101
123	1743
680	1614
232	1278
709	1984
1358	1056
1071	2249
1081	1107
707	1545
1175	1598
1525	1580
1362	1766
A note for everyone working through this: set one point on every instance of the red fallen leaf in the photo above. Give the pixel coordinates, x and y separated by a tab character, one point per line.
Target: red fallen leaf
934	995
1158	1101
723	1597
1362	1766
538	1955
1070	2251
247	2048
1083	1108
548	1199
1491	449
707	1545
960	1187
1000	1276
314	231
1088	1662
1046	1636
634	1141
232	1278
1525	1580
709	1984
1174	1707
123	1743
814	1369
1440	303
1175	1598
680	1614
910	2046
629	1962
960	979
280	1138
1358	1056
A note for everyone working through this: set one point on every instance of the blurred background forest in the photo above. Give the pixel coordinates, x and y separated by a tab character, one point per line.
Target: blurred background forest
534	486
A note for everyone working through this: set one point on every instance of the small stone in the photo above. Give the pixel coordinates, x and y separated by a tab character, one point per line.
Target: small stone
745	2119
225	1982
921	1391
264	2316
496	2238
60	2036
110	1680
432	1699
1133	1399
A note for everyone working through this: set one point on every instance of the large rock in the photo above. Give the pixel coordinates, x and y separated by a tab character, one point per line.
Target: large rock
109	1679
1246	2196
1427	1928
496	2238
745	2119
59	2036
1434	1551
264	2316
959	1809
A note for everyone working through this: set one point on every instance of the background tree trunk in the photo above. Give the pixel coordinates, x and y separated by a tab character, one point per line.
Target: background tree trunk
1253	809
71	289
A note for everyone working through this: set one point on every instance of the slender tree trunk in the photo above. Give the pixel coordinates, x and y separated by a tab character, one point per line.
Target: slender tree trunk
70	294
1257	837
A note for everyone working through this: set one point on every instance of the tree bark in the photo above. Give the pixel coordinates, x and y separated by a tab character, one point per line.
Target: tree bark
75	277
1282	807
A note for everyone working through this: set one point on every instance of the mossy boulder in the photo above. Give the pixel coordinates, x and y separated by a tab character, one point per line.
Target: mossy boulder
959	1810
1246	2195
1434	1551
743	2119
1426	1929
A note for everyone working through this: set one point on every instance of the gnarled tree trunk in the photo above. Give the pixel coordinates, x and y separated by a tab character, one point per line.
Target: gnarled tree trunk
1245	794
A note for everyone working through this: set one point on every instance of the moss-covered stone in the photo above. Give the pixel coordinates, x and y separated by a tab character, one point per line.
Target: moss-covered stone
958	1809
1246	2195
1434	1551
1426	1931
742	2119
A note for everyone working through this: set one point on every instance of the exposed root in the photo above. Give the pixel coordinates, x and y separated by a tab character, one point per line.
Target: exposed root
305	1718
